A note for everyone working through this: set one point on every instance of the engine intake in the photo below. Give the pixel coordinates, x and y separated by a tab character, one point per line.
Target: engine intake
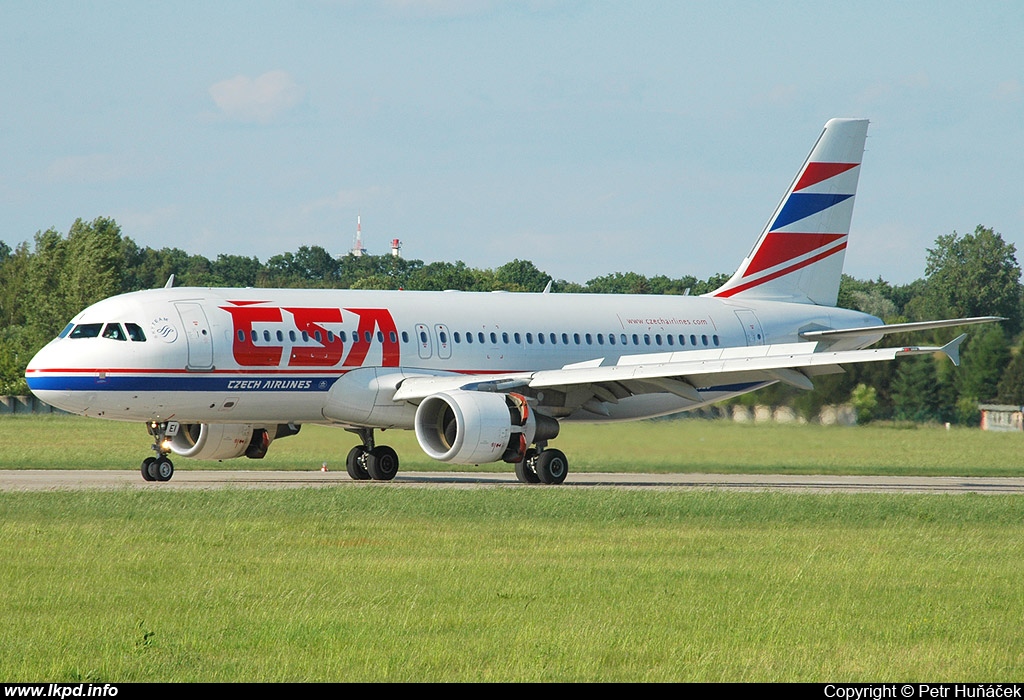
469	427
216	441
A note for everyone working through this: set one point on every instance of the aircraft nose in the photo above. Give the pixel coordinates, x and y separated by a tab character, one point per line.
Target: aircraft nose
45	383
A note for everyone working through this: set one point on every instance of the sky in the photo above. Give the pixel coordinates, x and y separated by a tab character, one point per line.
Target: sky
586	137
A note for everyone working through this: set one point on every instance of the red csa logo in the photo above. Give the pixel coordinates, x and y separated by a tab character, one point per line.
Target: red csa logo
313	337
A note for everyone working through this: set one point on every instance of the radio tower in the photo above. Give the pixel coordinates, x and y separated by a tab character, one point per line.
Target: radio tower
357	249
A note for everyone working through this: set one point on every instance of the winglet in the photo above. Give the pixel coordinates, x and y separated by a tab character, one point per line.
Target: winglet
170	282
952	348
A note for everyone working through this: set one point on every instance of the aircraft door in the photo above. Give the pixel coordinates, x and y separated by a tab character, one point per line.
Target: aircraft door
423	341
751	327
197	335
444	341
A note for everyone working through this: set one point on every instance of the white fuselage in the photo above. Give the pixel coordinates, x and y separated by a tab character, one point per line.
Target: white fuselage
274	355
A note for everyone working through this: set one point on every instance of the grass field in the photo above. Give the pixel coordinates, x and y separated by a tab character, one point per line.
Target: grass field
532	584
684	445
524	584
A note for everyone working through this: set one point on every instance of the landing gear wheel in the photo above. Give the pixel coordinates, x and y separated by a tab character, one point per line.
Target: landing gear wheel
552	466
382	463
355	463
164	469
526	471
147	466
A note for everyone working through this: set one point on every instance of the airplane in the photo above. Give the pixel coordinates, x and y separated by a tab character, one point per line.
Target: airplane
480	377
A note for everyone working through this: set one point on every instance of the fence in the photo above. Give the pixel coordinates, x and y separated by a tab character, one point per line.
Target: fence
24	405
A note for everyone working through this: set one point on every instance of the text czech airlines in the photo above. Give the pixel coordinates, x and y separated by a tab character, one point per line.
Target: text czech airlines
313	337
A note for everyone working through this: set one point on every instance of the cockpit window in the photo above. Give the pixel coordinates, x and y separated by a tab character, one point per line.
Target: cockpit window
67	329
114	332
86	330
135	332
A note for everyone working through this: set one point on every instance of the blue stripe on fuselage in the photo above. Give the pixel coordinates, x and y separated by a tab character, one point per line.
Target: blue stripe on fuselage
151	383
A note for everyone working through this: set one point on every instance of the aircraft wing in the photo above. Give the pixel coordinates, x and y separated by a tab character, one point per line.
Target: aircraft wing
682	373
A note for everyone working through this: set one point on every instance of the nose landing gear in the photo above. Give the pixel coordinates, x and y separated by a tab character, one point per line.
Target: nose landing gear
159	468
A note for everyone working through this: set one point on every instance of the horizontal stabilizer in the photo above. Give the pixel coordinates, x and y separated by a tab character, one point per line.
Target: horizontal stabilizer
879	331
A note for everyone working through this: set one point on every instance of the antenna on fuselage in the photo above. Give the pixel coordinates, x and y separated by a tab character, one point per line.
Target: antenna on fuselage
170	282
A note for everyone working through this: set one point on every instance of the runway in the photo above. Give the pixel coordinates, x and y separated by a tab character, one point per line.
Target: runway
78	480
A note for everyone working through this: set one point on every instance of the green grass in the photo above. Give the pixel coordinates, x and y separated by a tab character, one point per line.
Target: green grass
518	584
685	445
410	584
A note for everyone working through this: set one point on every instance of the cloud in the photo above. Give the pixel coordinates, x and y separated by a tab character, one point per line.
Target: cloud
1009	91
347	199
89	169
259	100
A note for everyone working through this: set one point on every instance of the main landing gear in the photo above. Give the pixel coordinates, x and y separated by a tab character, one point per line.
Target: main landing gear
159	468
542	466
369	461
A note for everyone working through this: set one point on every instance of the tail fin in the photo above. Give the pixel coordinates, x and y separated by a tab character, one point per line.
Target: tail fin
799	256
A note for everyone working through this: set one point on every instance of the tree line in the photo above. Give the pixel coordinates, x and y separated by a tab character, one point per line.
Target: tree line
45	282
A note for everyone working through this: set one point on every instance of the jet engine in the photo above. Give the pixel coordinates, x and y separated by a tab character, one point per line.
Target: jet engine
469	427
216	441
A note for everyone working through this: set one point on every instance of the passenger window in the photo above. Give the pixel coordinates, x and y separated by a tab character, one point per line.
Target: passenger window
86	330
135	332
114	332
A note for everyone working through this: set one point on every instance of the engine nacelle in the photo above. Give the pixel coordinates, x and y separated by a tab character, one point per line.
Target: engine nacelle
215	441
469	427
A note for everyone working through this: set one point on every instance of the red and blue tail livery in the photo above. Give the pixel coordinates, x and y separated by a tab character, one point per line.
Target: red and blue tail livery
797	257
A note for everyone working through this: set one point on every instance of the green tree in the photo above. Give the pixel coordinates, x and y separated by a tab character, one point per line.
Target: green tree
974	275
521	276
916	394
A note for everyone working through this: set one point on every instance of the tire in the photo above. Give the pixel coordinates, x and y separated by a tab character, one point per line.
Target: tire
382	463
164	469
354	464
552	467
525	470
147	463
